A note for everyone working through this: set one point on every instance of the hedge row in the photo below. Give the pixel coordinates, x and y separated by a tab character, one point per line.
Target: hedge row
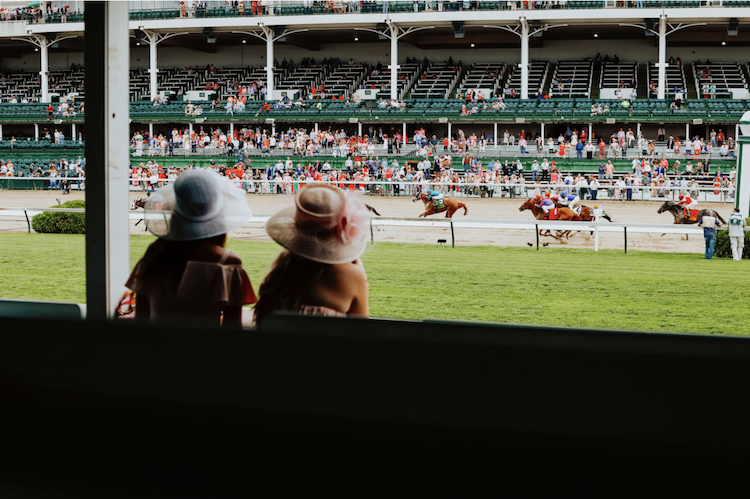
61	223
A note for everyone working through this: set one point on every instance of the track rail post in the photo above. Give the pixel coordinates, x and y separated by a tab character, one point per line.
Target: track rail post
453	236
537	236
626	239
28	224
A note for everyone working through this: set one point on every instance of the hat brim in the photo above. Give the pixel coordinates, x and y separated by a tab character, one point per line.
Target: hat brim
163	221
318	246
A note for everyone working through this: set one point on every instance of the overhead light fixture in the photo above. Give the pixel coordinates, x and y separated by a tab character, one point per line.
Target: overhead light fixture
278	33
458	29
723	43
472	45
381	28
244	41
140	36
356	39
650	24
734	27
137	43
596	35
210	35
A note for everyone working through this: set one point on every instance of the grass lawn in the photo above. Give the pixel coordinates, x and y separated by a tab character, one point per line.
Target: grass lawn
563	287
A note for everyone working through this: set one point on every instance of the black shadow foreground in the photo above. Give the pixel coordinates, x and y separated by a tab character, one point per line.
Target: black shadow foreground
111	410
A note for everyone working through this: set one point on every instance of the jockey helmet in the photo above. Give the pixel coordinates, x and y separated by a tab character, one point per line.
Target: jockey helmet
680	196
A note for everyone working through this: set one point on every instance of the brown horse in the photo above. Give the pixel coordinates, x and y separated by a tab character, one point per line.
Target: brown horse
679	214
587	214
450	206
563	214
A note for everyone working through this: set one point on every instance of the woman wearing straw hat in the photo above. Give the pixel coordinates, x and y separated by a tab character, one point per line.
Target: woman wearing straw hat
187	275
320	272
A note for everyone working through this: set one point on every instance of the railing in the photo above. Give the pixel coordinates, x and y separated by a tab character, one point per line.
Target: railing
461	189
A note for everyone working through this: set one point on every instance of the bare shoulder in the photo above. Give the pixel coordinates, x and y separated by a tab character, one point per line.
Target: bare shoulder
232	259
352	270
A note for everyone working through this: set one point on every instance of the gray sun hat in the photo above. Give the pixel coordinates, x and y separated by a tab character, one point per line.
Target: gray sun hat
198	205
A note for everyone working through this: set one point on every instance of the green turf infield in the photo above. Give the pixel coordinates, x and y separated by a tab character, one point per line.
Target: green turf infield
666	292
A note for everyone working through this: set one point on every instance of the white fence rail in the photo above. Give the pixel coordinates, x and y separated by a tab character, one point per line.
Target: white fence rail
452	224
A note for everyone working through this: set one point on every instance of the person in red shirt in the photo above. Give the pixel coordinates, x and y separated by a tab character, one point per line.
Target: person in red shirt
720	137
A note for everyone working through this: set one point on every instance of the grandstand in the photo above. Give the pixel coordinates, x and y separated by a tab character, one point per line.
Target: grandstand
537	78
482	76
675	79
727	76
573	79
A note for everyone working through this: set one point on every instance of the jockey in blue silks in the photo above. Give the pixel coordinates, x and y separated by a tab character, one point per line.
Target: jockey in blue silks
544	203
435	196
571	201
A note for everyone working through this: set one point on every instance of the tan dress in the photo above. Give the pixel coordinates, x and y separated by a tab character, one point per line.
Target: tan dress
204	291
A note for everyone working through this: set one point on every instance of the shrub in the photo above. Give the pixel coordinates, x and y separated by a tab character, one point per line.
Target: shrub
723	248
61	223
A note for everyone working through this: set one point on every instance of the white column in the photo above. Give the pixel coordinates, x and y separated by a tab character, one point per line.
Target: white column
524	66
150	129
316	127
542	133
153	69
591	137
190	128
359	128
662	64
43	72
449	131
736	132
269	63
1	132
494	133
73	136
406	139
637	130
687	131
36	131
273	128
394	62
231	130
107	231
742	196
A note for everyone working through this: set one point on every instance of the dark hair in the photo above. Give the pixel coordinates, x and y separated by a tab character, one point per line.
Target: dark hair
167	259
290	284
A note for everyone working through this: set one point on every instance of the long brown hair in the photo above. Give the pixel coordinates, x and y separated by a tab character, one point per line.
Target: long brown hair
167	259
290	284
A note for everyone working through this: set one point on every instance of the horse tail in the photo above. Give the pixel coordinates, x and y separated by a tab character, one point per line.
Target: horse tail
606	217
466	210
719	217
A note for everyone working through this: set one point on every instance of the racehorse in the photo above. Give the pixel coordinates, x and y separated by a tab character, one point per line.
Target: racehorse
679	214
449	205
564	214
139	203
587	214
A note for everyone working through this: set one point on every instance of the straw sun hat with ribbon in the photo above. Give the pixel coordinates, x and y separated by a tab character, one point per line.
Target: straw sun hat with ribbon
324	225
198	205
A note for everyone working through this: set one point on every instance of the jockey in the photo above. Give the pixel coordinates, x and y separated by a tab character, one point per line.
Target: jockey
435	196
571	201
688	203
544	203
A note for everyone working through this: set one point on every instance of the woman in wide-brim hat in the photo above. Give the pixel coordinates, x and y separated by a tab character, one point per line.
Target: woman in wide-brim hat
324	233
187	275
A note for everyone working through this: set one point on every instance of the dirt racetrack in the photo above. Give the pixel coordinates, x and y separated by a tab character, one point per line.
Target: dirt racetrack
487	208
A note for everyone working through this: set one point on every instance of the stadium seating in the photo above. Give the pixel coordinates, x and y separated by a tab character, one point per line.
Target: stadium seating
484	76
381	81
537	76
344	79
574	79
436	82
727	76
615	74
675	75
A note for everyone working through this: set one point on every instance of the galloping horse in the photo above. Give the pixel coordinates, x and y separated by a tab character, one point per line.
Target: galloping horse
449	205
139	203
587	214
679	214
564	214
